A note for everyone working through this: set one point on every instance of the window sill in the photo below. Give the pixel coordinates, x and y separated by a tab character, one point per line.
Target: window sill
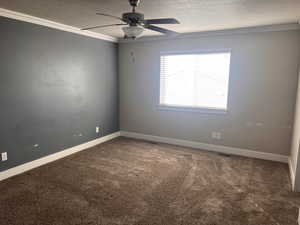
192	109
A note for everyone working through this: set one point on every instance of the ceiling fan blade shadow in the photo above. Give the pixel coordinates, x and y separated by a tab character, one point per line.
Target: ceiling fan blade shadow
101	26
162	21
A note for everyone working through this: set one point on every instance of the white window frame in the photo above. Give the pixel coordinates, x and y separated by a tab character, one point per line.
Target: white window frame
195	109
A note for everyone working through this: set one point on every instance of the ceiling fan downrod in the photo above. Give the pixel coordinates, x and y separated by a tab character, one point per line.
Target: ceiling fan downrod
134	4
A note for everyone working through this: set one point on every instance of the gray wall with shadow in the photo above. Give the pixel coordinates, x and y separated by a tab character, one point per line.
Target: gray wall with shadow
55	88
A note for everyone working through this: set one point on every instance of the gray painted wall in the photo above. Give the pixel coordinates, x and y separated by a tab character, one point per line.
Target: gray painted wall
262	91
54	86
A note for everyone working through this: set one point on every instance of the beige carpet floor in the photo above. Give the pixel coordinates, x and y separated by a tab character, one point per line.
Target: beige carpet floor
131	182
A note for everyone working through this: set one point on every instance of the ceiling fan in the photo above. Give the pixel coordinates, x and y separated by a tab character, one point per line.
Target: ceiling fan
135	23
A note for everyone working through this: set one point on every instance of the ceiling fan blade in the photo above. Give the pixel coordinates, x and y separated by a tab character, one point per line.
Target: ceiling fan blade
110	25
104	14
161	30
162	21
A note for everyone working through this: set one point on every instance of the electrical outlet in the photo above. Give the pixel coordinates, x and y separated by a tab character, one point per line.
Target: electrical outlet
259	124
216	135
4	156
249	124
97	129
213	135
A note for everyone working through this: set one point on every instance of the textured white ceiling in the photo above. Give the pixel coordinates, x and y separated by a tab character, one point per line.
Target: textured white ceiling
194	15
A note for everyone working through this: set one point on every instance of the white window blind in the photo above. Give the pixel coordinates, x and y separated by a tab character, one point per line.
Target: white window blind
195	80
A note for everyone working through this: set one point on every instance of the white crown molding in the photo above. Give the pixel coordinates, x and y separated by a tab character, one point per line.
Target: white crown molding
53	157
209	147
245	30
35	20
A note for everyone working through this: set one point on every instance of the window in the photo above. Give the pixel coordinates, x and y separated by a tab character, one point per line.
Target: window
195	80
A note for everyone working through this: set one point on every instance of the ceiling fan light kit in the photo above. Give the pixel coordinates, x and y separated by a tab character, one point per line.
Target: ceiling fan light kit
136	24
132	32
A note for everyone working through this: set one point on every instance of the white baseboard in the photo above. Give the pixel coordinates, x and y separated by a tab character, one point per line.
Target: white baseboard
292	173
209	147
50	158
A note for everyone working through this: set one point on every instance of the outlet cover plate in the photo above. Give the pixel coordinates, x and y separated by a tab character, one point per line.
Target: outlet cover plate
4	156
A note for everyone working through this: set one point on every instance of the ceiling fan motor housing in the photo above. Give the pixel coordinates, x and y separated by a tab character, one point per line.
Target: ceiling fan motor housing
133	19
